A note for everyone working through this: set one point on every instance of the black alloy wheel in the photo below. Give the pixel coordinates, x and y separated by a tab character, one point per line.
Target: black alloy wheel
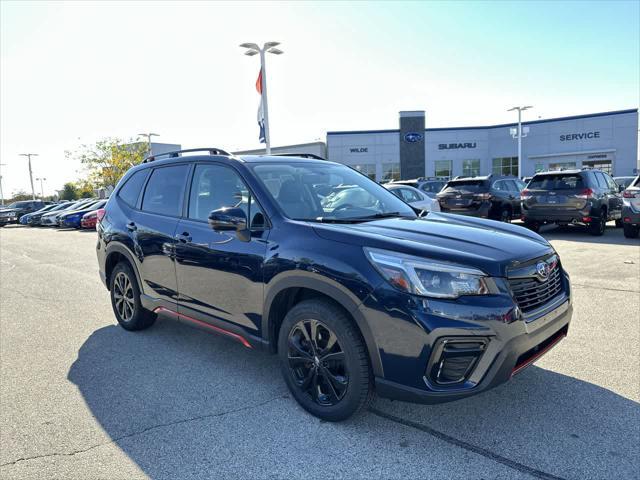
125	299
505	215
324	360
317	362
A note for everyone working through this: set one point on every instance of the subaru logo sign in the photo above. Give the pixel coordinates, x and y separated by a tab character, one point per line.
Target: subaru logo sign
412	137
542	269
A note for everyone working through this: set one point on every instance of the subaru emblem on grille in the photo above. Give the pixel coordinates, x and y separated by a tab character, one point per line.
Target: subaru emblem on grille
542	269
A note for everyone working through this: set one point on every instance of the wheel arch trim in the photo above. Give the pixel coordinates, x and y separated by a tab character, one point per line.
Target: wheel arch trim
332	289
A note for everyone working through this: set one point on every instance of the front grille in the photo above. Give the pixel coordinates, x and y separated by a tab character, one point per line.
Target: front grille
531	293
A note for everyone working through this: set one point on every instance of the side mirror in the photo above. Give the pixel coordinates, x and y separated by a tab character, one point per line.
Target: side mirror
228	219
621	188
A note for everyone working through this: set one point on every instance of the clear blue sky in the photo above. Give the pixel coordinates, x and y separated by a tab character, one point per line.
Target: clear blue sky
74	72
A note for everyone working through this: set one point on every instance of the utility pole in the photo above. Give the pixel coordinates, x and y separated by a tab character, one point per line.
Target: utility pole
518	135
41	187
149	135
29	155
254	49
1	194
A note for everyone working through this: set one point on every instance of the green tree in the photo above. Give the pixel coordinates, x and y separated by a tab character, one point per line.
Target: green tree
108	160
18	196
69	192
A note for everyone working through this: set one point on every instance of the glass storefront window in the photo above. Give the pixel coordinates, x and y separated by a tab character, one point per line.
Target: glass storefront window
443	168
390	171
562	165
539	167
505	166
369	169
470	168
604	165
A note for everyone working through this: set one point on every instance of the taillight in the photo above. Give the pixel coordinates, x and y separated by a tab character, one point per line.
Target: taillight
629	194
586	194
483	196
100	214
525	194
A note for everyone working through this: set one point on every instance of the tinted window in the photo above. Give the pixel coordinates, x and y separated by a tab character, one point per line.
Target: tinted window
309	191
409	195
214	187
165	190
512	185
610	182
131	189
601	182
500	185
556	182
467	186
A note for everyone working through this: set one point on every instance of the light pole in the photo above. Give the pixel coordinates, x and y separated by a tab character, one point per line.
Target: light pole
149	135
41	179
519	134
254	49
29	155
1	194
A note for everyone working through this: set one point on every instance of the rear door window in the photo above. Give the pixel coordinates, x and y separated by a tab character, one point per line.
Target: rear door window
556	182
130	191
409	195
165	190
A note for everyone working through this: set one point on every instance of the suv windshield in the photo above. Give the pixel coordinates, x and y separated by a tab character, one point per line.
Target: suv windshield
556	182
465	186
325	192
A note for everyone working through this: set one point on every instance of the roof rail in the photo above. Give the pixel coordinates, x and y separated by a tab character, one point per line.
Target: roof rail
178	153
301	155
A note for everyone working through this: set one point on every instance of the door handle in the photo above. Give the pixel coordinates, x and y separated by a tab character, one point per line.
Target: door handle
184	237
131	226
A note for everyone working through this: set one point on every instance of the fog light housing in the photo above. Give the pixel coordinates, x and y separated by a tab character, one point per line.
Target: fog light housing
453	360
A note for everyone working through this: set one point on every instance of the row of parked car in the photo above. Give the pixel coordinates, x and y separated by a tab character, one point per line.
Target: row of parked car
585	196
68	214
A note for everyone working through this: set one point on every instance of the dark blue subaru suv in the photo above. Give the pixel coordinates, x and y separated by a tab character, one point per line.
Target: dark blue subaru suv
355	292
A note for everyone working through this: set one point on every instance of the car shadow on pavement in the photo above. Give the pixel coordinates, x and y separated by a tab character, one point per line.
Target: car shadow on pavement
172	397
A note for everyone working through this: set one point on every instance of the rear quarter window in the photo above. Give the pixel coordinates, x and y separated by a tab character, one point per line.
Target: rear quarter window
130	191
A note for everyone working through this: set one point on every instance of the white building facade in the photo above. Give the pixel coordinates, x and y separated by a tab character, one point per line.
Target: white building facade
607	140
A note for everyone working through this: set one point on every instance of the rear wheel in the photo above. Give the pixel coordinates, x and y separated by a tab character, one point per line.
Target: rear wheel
505	215
619	223
324	361
125	299
598	225
631	231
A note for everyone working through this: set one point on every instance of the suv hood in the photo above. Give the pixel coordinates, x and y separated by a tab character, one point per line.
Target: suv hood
488	245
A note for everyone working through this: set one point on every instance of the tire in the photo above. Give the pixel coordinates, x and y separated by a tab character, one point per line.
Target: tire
598	225
351	387
531	225
619	223
505	215
125	299
631	231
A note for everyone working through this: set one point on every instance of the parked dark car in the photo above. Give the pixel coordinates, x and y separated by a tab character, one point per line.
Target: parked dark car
50	219
431	186
73	218
14	211
631	209
586	197
26	218
495	197
354	299
34	218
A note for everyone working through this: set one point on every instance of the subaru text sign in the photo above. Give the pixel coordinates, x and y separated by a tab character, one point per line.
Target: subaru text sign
412	137
455	146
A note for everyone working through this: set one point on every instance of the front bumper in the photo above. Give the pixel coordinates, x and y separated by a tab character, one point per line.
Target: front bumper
409	330
8	220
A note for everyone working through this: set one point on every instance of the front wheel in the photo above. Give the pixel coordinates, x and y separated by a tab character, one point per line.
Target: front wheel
324	361
505	215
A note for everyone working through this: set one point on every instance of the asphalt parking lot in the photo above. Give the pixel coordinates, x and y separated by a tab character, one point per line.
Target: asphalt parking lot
81	398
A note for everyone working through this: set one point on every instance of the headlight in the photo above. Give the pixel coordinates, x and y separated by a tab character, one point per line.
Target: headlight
426	277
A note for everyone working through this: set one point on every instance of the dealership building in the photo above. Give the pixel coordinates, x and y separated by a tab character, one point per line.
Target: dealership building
607	140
